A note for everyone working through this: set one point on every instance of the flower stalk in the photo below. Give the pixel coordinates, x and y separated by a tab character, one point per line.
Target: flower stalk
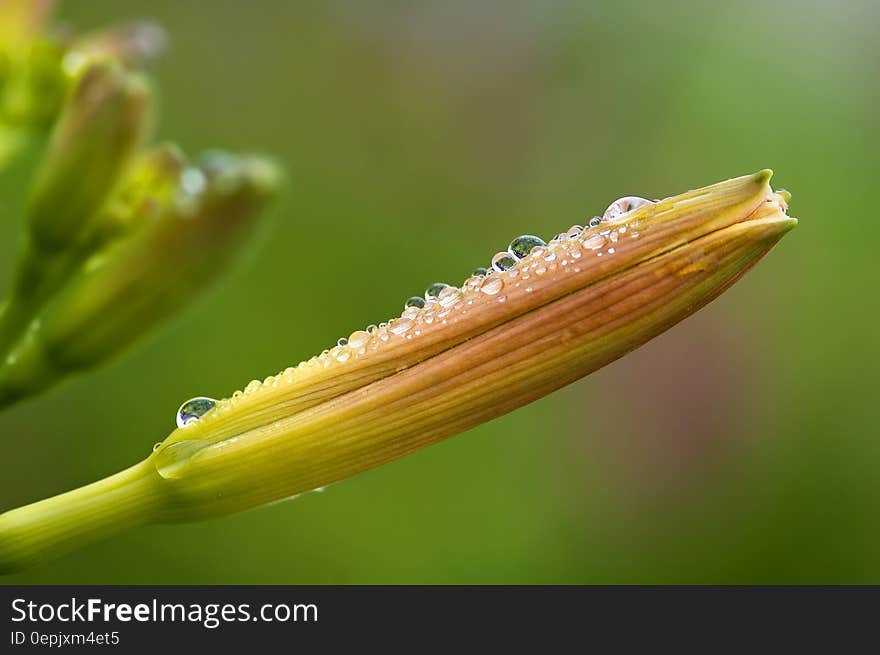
467	355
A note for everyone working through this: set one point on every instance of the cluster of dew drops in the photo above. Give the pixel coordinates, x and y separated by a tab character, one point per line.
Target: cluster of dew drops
441	299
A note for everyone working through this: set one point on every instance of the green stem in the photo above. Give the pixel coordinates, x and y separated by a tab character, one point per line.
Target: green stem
52	527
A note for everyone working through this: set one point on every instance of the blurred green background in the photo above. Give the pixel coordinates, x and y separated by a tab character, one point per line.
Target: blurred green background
419	138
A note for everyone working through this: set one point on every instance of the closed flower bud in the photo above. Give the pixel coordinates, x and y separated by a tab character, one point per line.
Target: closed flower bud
546	315
178	243
103	121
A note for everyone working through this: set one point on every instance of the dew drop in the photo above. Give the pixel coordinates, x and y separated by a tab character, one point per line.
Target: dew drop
448	296
480	270
503	261
594	242
624	206
400	325
594	222
342	341
194	409
473	282
358	339
522	245
434	290
492	285
192	181
372	328
415	301
574	231
157	446
340	354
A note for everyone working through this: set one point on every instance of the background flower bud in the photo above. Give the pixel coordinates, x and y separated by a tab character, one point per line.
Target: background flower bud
178	244
104	120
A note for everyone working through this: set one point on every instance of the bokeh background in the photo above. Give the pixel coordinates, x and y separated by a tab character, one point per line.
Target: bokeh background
419	138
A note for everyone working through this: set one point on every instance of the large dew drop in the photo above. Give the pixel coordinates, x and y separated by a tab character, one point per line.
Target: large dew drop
194	409
449	296
522	246
624	206
503	261
434	290
492	285
358	339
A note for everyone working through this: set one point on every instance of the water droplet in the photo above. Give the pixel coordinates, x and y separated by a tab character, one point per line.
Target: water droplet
415	301
342	341
503	261
473	282
194	409
492	285
522	245
574	231
157	446
192	181
434	290
594	242
372	328
400	325
252	386
340	354
593	222
480	270
448	296
624	206
358	339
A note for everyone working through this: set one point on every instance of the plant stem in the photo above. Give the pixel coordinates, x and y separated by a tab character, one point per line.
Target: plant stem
51	527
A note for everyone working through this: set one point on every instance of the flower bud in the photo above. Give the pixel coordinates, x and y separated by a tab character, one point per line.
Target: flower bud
548	315
103	121
178	244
